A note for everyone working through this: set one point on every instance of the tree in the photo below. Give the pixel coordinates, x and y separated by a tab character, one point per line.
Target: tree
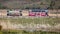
27	8
59	7
2	7
52	4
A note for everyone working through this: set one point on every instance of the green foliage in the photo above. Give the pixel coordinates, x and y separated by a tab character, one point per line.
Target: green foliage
1	32
49	4
59	7
9	32
33	0
52	4
4	0
2	7
27	32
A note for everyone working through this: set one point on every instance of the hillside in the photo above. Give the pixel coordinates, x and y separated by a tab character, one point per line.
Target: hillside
25	3
57	4
22	4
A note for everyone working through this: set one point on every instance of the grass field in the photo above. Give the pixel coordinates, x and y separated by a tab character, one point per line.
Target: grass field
42	20
51	21
25	32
